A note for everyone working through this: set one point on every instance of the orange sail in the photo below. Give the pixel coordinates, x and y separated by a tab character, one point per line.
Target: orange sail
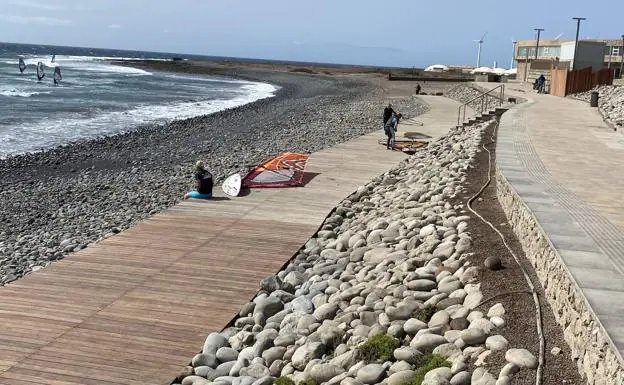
285	170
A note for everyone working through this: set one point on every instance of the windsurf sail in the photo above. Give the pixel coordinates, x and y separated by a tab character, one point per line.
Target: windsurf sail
22	65
40	71
57	75
285	170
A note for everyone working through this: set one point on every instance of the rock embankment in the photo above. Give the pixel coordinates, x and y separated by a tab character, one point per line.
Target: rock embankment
610	103
59	201
463	93
384	293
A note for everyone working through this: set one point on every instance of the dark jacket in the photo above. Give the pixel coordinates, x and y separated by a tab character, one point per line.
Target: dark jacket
205	182
388	111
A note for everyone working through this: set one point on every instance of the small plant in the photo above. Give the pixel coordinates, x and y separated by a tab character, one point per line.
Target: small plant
377	348
309	381
283	380
425	365
425	313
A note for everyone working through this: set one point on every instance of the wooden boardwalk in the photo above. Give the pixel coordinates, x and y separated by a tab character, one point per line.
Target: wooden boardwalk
136	307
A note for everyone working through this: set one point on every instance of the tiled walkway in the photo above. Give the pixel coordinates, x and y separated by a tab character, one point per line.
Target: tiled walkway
568	167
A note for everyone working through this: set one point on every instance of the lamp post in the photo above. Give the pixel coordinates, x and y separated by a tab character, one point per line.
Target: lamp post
539	30
622	58
578	26
513	55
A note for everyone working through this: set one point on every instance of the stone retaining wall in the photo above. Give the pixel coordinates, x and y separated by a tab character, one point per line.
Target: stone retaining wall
593	351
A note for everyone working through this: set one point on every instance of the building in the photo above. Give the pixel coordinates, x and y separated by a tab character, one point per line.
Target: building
595	53
614	54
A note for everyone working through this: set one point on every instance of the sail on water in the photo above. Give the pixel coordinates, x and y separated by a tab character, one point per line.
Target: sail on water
22	65
40	71
57	75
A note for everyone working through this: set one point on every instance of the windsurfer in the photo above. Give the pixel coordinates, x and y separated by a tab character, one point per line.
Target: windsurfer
204	183
57	75
40	71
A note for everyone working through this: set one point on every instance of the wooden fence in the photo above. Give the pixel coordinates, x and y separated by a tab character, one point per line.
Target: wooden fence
564	82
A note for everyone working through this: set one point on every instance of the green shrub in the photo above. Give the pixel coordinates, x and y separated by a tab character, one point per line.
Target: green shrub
309	381
425	313
426	364
377	348
283	380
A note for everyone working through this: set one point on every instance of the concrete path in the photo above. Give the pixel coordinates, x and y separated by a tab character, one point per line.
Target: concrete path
136	307
566	164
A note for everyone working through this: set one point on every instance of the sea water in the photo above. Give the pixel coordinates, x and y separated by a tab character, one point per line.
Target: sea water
97	98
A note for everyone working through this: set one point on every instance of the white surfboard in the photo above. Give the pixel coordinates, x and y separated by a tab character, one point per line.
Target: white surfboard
232	185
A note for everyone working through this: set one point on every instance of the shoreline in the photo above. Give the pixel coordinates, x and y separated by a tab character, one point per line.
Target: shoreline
63	199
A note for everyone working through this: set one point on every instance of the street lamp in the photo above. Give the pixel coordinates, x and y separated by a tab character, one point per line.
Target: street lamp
578	26
622	58
539	30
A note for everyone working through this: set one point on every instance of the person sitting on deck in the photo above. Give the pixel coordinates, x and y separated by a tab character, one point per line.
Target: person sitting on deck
204	183
390	128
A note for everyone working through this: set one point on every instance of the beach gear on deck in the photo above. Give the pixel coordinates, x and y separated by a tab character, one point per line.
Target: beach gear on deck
232	185
285	170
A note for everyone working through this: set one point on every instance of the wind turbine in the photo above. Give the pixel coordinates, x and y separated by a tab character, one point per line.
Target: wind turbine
513	53
558	36
480	41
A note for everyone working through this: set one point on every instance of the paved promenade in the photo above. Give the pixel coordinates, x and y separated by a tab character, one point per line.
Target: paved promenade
567	164
136	307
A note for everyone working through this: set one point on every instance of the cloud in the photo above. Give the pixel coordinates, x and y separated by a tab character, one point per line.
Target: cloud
114	26
41	20
36	4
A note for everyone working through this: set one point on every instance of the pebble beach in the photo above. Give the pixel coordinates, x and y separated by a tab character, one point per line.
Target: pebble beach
58	201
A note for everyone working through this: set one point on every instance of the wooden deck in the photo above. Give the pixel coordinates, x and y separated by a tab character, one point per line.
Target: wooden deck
136	307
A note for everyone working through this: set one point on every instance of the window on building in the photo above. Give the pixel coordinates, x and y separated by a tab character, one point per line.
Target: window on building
522	51
615	51
546	51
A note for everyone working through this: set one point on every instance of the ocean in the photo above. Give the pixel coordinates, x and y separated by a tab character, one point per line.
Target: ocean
96	98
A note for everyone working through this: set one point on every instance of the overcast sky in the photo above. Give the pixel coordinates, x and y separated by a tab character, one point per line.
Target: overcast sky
400	32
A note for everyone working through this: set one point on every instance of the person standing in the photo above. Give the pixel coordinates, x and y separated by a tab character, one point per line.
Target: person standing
541	84
390	128
387	114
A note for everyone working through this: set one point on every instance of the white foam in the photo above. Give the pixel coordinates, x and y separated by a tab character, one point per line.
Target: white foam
82	63
45	134
16	92
108	68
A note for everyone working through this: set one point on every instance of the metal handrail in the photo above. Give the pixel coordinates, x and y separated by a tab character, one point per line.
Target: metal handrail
482	96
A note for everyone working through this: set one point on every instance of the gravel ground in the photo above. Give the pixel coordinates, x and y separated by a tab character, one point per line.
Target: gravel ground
60	200
610	103
385	293
520	328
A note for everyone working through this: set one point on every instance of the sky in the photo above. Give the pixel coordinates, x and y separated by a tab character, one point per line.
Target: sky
401	33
